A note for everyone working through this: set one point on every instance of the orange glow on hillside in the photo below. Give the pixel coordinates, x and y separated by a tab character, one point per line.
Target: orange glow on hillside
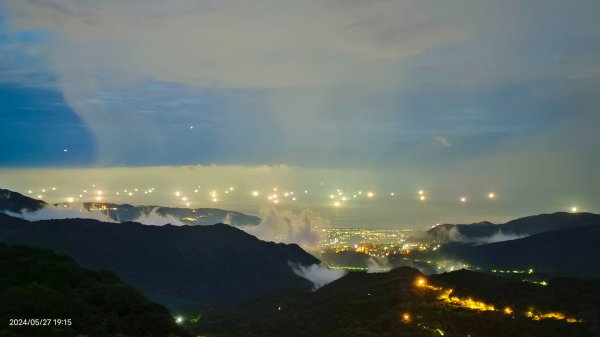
445	295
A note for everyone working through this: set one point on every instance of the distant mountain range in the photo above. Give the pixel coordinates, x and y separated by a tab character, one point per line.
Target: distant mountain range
572	251
180	266
188	216
38	284
489	232
392	304
17	203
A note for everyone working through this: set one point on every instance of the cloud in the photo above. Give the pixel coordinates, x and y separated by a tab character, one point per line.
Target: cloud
283	53
54	212
282	225
234	43
227	220
498	237
442	141
454	235
319	275
378	265
74	210
308	82
155	219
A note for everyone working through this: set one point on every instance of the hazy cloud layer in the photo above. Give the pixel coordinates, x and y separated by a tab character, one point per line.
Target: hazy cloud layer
443	188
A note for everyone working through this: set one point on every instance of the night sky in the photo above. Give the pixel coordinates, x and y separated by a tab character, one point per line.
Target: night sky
456	98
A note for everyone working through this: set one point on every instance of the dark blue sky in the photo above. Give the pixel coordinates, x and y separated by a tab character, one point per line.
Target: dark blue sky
36	126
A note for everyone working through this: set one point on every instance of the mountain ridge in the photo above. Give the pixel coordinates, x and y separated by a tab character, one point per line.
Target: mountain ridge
180	266
395	304
37	283
571	251
519	227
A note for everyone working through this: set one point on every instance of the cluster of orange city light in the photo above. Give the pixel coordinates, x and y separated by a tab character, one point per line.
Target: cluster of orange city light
554	315
445	295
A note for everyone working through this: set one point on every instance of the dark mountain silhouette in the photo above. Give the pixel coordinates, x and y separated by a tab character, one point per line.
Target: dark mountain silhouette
16	202
572	251
362	304
39	284
180	266
518	228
